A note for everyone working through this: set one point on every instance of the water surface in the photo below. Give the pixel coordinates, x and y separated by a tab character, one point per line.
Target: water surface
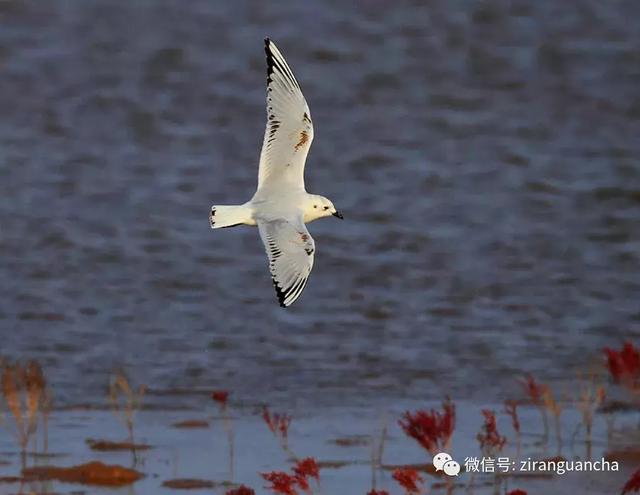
485	155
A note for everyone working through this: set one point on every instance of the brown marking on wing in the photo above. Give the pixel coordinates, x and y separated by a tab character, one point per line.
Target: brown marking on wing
304	137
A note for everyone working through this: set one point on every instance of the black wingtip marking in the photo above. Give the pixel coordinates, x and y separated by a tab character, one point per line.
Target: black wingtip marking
282	67
294	290
280	293
267	50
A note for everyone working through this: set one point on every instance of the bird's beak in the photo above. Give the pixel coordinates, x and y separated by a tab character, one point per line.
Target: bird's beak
337	214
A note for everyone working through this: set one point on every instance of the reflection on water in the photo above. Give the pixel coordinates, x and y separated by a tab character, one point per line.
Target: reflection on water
485	155
341	441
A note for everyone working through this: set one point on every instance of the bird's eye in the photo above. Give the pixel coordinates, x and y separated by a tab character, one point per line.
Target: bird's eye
315	206
326	207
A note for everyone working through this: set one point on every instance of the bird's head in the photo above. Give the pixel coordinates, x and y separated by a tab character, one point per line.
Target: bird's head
320	207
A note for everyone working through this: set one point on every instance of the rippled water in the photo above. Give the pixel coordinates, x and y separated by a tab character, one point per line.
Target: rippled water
485	154
341	441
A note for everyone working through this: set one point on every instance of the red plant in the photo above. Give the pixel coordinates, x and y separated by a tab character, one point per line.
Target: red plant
307	468
378	492
489	438
281	482
285	483
633	484
409	479
534	390
277	423
537	393
303	483
517	492
511	409
221	397
624	365
431	429
241	490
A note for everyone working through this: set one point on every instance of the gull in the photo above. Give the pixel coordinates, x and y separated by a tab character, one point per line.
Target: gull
281	206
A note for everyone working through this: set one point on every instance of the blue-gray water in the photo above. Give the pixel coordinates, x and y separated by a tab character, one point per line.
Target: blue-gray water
485	154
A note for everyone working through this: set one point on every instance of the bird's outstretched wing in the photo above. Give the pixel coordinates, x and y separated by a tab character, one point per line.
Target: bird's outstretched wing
289	131
290	249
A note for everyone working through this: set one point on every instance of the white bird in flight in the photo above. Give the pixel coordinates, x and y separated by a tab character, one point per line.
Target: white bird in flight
281	205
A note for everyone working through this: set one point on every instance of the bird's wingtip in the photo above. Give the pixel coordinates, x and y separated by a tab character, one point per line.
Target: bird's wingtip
267	40
279	293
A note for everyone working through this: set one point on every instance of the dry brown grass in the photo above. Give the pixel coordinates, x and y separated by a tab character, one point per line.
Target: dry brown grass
45	410
591	395
24	392
126	403
555	408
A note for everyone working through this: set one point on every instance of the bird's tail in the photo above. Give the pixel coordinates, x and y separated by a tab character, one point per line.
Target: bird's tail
229	216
